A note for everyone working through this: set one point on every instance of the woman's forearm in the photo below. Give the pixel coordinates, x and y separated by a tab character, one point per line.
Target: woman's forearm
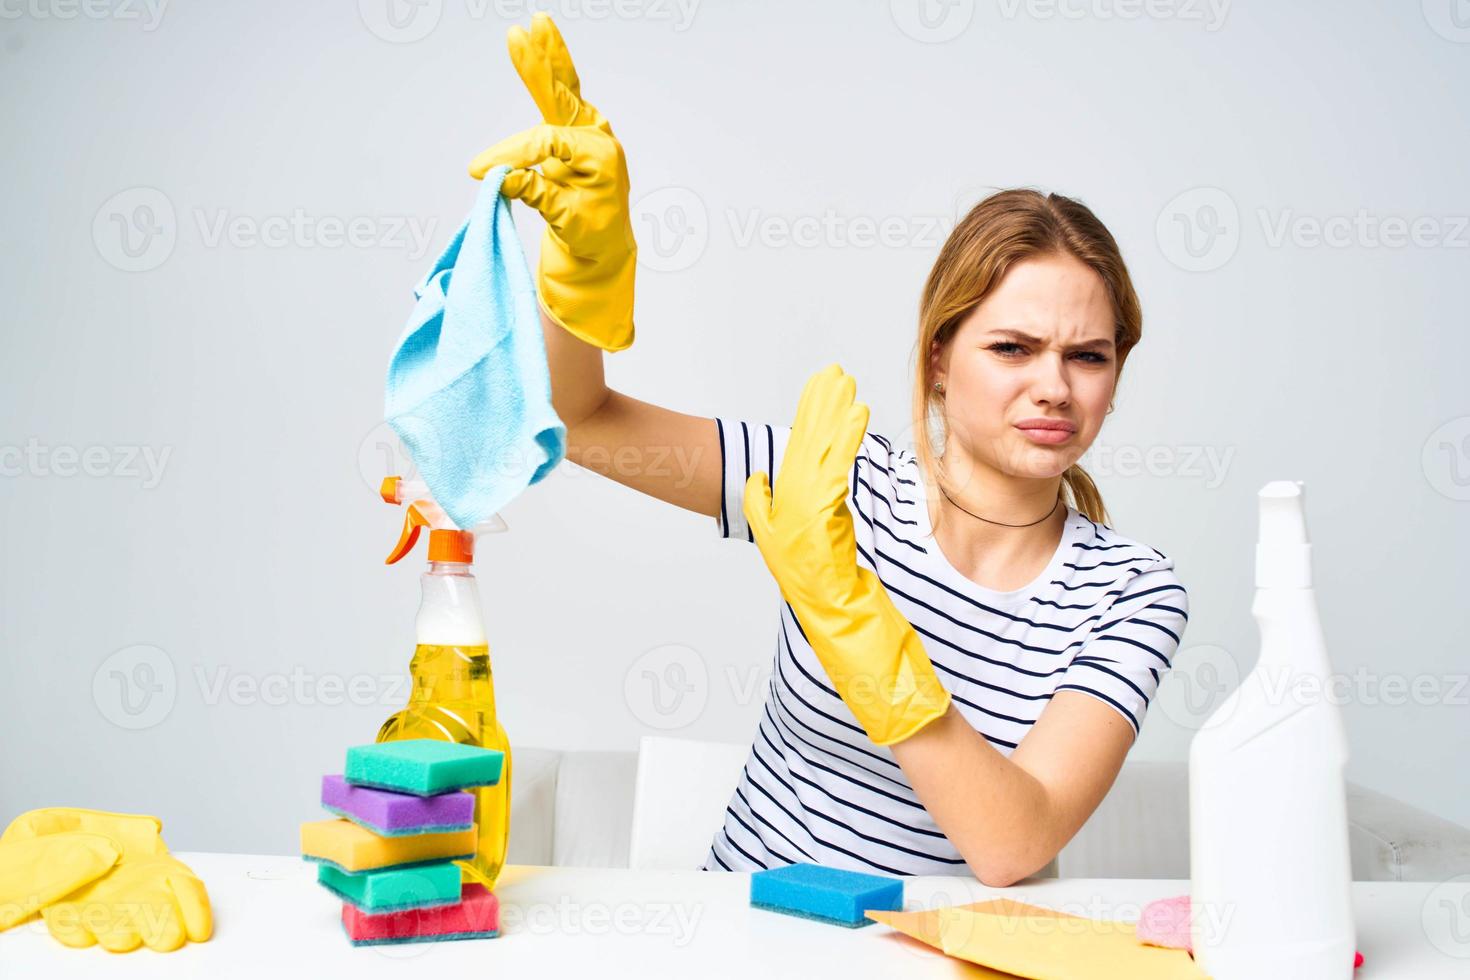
578	389
657	451
996	813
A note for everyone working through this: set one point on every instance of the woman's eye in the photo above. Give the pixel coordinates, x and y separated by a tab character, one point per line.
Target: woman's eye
1012	350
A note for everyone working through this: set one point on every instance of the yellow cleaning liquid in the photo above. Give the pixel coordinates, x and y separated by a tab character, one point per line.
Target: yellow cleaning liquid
453	695
453	698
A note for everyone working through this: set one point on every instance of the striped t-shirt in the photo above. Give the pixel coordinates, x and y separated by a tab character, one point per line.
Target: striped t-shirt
1104	617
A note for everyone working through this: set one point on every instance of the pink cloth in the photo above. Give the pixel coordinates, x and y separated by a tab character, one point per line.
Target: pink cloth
1165	922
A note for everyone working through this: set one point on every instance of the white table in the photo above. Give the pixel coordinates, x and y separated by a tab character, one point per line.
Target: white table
272	920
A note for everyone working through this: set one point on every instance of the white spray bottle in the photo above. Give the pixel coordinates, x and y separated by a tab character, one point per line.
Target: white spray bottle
1269	867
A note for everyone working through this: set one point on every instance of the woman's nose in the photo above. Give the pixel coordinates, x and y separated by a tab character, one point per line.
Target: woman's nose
1049	384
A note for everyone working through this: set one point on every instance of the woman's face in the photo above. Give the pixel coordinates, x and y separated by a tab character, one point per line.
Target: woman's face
1039	349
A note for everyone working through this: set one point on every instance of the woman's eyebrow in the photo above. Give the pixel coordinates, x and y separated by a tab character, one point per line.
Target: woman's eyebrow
1027	338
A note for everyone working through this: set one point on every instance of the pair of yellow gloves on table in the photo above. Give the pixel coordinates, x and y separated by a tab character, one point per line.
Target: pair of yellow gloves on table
585	280
99	877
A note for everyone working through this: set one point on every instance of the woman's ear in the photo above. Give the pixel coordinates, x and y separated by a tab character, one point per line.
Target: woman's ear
936	364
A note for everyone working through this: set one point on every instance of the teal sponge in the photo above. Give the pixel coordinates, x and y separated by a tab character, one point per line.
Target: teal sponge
394	889
830	895
422	766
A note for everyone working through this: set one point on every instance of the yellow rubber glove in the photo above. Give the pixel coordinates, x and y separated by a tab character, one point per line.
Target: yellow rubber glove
588	255
36	872
47	854
137	834
869	650
155	901
143	895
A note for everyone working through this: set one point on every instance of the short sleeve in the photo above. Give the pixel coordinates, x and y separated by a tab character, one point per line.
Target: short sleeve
1133	644
745	448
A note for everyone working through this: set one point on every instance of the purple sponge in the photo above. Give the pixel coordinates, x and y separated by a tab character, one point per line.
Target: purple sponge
397	814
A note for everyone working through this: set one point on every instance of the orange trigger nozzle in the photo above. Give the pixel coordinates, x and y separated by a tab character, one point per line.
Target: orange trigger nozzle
413	522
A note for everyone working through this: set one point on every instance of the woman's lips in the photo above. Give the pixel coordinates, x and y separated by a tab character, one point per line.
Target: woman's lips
1047	432
1047	437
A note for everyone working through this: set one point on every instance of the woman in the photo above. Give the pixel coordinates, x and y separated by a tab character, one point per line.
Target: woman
961	669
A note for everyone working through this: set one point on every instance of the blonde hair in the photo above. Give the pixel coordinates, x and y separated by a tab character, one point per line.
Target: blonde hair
1005	228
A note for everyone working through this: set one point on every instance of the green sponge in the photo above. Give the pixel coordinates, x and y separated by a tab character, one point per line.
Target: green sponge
395	890
422	766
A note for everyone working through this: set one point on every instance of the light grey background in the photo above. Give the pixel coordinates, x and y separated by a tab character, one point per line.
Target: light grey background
203	642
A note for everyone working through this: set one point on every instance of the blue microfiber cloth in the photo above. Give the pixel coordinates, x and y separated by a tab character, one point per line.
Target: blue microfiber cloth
832	895
468	389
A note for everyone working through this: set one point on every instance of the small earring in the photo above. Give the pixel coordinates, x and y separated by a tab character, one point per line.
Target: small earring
939	386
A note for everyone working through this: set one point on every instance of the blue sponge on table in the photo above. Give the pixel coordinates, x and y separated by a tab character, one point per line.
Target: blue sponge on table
825	894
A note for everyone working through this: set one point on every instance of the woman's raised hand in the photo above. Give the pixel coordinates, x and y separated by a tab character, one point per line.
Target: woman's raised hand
588	255
871	653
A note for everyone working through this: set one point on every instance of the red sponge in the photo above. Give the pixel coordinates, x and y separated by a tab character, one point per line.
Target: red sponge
475	916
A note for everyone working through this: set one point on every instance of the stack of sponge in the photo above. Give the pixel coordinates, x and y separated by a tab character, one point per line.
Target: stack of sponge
403	819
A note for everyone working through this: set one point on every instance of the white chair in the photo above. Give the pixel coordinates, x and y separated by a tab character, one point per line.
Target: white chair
679	799
570	809
661	807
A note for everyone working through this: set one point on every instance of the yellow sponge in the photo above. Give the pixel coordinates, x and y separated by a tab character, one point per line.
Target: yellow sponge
350	848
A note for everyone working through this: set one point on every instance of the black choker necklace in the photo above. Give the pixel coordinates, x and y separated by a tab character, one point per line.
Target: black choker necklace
1002	523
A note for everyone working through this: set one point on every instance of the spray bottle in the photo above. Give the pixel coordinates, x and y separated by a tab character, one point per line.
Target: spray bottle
453	694
1270	874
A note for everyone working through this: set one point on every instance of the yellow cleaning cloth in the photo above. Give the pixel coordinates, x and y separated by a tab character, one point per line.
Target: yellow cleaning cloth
1013	939
354	848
